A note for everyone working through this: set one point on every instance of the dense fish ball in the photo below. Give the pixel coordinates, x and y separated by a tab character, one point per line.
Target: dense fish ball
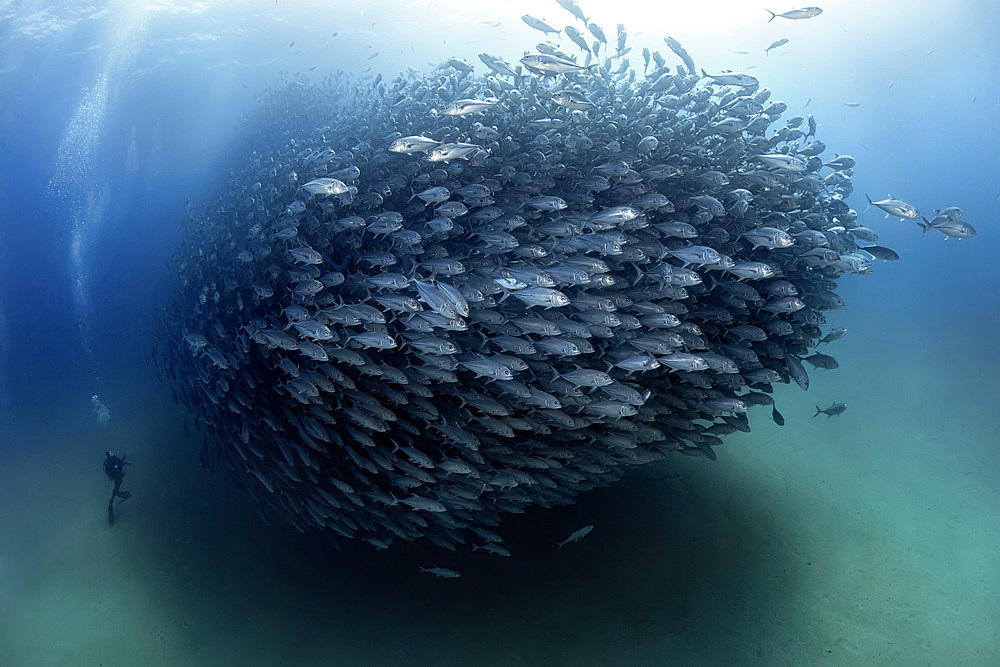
423	303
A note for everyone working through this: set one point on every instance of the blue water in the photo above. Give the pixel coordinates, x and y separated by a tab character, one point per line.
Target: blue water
869	538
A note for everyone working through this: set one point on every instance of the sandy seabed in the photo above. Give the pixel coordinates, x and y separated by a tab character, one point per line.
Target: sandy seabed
868	538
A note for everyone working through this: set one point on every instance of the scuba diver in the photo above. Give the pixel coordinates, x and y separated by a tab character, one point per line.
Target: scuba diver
114	468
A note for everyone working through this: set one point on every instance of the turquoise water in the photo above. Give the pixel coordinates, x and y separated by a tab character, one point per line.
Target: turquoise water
866	538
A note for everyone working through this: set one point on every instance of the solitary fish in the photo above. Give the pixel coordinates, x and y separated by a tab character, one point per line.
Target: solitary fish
796	14
775	44
576	536
441	572
833	410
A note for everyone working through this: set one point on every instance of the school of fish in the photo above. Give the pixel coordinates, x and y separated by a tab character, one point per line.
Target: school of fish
426	302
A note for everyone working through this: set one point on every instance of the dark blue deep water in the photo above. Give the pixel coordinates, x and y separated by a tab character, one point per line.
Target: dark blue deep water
866	538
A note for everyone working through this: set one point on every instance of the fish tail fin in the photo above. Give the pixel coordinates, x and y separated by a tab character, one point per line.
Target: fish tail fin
704	73
638	275
870	202
773	15
925	225
817	411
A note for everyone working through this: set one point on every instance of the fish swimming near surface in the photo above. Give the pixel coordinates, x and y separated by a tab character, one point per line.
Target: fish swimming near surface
538	24
597	32
731	78
796	14
775	44
573	8
681	52
577	37
548	63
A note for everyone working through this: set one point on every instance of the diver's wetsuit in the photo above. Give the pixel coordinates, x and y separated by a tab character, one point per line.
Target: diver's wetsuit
114	468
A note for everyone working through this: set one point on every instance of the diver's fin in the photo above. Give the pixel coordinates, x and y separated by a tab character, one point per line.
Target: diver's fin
124	495
111	510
